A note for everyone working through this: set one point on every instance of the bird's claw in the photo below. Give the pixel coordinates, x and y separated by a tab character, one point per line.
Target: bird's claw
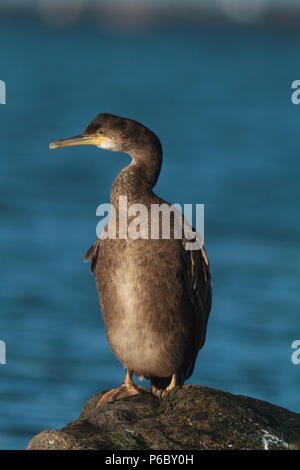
125	391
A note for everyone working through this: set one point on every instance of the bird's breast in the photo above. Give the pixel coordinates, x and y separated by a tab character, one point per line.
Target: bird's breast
141	297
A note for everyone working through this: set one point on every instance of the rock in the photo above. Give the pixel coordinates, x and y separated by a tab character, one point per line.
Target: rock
188	418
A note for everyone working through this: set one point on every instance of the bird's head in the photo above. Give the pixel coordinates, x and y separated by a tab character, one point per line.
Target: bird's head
114	133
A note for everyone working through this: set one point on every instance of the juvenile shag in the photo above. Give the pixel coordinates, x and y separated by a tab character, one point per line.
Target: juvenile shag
155	295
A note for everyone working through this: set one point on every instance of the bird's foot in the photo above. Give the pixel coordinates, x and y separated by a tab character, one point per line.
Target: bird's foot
160	393
167	390
125	391
157	392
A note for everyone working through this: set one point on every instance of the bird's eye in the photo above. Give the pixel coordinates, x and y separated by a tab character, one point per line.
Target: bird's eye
100	132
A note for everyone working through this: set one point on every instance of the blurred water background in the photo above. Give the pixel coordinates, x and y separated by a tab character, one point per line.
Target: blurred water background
218	95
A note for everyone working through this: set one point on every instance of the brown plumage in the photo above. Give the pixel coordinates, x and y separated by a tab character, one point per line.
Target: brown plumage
155	295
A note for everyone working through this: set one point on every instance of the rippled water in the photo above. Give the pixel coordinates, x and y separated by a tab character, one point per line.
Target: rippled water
219	99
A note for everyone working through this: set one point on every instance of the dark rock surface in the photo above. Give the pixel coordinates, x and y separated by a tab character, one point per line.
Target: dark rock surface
190	417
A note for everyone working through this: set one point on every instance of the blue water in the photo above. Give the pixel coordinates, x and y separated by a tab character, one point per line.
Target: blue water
219	99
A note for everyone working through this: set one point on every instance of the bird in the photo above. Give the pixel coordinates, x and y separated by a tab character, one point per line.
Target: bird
155	295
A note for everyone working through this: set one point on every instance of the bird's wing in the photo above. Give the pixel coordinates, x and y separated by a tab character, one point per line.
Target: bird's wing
92	255
197	280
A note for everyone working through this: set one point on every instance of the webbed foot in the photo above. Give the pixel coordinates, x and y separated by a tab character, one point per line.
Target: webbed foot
127	389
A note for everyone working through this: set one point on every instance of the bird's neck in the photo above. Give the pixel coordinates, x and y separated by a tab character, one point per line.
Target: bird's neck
137	179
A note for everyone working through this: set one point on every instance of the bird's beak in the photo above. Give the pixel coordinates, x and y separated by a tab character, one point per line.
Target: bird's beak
79	140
